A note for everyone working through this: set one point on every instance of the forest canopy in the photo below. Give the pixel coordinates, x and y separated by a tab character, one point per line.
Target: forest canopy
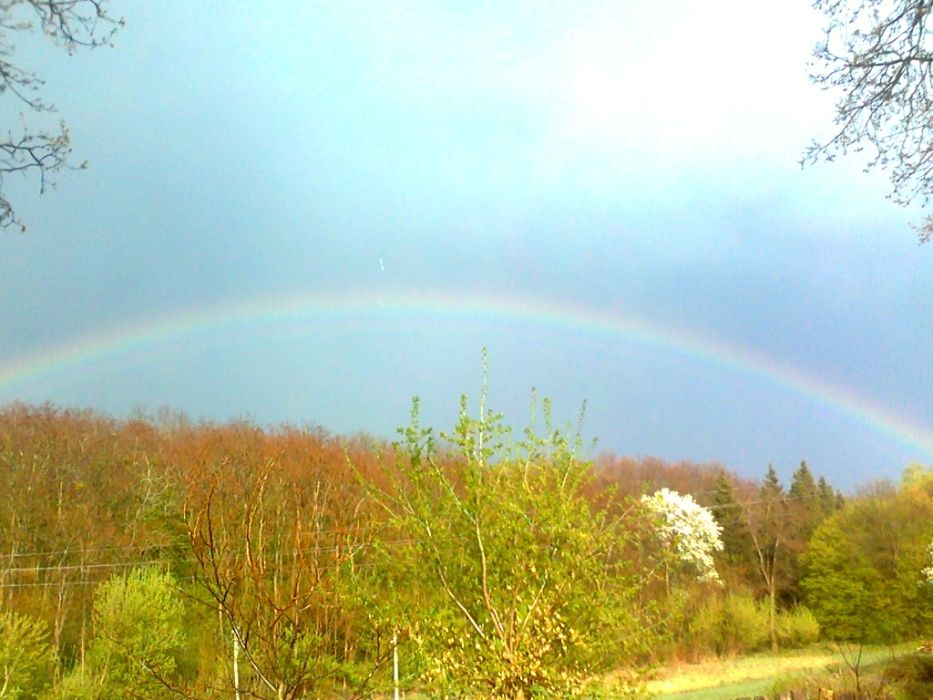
289	561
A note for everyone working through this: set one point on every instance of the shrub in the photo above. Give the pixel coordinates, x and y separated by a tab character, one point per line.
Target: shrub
913	676
745	624
705	628
797	627
730	625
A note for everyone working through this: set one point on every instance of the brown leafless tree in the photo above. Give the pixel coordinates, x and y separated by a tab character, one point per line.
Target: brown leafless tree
272	553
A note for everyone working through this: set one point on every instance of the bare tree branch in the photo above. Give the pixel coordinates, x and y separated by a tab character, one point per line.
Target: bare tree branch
71	24
877	54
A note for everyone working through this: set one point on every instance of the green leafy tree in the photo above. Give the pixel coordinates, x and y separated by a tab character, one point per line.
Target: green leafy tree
729	624
138	635
25	656
511	583
864	566
917	475
839	583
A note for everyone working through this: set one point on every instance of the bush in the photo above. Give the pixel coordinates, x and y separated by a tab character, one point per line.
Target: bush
745	624
737	624
913	676
731	625
705	628
797	627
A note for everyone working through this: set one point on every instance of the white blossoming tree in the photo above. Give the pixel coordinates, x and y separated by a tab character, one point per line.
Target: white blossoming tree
689	531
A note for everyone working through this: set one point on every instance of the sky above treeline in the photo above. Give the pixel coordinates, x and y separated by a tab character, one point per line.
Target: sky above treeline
309	212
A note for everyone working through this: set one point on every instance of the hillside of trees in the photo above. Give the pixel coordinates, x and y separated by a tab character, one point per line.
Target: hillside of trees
155	557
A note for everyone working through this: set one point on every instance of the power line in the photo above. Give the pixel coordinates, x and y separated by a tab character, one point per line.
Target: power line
184	542
83	567
75	551
57	584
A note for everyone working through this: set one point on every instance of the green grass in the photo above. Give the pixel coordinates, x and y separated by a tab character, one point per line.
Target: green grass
727	679
725	692
757	674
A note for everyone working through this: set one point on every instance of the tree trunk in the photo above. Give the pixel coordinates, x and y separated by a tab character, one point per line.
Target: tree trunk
236	666
772	611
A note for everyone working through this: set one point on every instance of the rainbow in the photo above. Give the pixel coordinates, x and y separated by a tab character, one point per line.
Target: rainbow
612	324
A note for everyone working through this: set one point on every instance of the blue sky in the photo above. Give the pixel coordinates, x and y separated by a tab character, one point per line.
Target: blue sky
621	158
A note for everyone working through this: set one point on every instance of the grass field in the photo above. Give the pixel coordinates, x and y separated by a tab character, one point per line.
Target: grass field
727	679
748	676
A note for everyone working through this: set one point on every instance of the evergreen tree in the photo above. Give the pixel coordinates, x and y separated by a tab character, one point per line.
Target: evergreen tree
802	486
827	496
738	555
771	486
831	500
806	512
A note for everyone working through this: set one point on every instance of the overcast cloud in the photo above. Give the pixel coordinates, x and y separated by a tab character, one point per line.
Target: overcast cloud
632	158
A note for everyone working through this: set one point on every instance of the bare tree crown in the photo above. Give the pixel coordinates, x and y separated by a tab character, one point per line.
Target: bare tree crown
878	55
71	24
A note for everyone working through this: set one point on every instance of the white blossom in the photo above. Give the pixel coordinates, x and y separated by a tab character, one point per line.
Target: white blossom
689	529
928	572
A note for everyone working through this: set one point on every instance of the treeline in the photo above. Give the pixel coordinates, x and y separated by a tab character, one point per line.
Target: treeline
155	557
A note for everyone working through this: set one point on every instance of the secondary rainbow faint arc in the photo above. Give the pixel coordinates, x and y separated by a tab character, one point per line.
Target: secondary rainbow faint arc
546	313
